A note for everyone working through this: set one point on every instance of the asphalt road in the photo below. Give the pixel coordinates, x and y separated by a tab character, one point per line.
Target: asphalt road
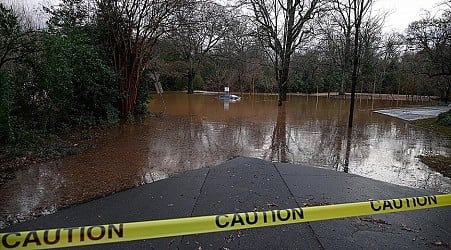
247	184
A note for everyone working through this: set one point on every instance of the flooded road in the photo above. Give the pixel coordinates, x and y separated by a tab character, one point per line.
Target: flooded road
199	130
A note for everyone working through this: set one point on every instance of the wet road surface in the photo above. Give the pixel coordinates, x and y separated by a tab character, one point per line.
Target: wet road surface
250	185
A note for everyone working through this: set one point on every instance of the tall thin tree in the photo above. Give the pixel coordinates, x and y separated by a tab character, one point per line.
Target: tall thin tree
202	27
133	28
282	25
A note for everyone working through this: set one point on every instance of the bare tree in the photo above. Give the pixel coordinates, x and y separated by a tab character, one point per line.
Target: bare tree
202	26
241	53
134	27
430	38
344	24
372	68
358	9
17	36
342	17
282	25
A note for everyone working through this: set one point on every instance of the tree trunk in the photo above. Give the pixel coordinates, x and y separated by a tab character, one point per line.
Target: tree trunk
129	65
283	79
345	67
356	61
129	91
351	108
279	146
447	93
283	88
191	75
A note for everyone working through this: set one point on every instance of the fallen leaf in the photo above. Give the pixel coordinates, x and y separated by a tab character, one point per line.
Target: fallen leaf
438	243
272	205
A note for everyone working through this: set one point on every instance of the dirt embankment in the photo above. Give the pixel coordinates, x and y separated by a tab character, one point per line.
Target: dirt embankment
52	148
440	163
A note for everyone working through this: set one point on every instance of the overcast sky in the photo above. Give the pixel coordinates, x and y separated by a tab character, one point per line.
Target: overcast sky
402	12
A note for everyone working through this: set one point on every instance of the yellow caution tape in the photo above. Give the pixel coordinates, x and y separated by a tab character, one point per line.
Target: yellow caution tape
101	234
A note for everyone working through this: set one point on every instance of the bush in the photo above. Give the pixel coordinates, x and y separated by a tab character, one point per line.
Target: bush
76	86
198	82
444	118
5	107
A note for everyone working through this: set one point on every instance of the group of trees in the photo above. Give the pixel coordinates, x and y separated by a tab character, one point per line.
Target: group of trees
54	78
309	46
95	61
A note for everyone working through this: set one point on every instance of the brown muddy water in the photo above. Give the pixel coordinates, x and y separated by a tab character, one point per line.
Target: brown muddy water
199	130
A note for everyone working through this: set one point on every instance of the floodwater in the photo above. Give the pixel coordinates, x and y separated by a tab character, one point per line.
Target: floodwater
199	130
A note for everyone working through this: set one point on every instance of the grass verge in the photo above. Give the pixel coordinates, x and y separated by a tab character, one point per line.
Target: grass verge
47	148
440	163
441	125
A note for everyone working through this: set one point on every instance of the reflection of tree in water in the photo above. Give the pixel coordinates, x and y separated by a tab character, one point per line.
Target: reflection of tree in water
329	147
356	139
334	146
348	149
279	147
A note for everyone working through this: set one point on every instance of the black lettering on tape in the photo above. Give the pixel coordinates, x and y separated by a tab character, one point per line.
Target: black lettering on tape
299	212
237	219
399	205
8	244
280	216
387	204
375	208
82	234
422	203
31	237
69	234
91	235
248	219
273	215
53	236
218	221
47	238
431	199
265	219
119	231
252	218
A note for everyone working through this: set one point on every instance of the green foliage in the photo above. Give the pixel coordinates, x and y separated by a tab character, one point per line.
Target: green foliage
62	81
16	42
171	83
77	85
444	119
331	80
143	98
303	84
198	82
5	107
69	13
9	32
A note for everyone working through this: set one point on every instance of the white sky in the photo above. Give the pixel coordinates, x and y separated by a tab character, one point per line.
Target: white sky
402	12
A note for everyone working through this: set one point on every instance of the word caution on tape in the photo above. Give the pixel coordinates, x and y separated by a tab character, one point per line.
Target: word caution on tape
120	232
